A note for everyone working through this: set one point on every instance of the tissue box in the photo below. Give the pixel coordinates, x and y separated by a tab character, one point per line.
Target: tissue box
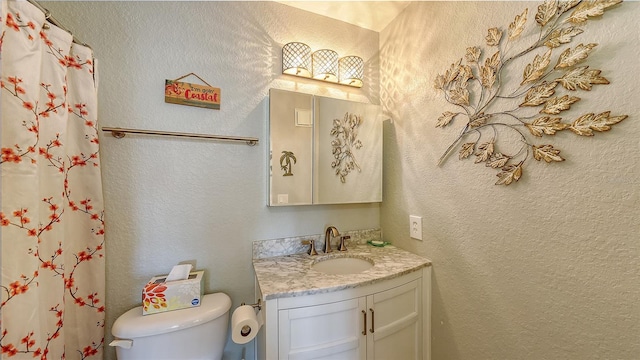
160	296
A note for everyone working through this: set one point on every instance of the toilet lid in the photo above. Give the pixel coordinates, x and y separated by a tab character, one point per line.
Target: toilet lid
133	324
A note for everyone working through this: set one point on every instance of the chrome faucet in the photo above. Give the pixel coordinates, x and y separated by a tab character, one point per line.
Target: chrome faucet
331	231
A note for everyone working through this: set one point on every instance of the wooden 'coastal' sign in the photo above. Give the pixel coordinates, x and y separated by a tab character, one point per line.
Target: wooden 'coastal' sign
183	93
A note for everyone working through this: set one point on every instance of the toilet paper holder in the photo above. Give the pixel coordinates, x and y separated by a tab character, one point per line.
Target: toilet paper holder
246	329
257	305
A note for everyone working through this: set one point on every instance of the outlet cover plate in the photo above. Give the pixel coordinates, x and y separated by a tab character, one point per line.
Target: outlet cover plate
415	227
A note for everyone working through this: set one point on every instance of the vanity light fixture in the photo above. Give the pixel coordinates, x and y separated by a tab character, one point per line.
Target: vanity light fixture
324	65
296	59
351	70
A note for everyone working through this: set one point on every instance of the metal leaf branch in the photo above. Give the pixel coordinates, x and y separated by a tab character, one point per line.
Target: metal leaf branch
532	107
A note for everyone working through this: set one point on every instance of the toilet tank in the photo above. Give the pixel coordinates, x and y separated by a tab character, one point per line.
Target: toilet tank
194	333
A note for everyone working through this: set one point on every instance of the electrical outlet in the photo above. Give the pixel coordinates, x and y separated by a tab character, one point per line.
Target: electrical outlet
415	227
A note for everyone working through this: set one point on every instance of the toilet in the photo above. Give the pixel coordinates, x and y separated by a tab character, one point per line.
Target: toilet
186	334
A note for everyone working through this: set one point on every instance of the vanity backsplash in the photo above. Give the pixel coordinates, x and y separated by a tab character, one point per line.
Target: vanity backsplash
293	245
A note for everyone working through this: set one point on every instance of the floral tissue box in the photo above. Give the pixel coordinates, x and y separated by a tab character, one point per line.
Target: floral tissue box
160	296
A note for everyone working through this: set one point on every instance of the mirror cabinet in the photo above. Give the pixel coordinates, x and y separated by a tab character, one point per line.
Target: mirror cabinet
323	150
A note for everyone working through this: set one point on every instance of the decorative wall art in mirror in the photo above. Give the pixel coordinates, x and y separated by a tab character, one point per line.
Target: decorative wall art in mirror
323	150
347	152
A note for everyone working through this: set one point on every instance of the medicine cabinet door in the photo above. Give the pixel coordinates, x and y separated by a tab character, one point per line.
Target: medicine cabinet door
348	152
290	148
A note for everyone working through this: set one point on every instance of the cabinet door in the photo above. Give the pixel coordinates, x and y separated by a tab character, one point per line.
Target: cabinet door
395	323
290	148
328	331
347	152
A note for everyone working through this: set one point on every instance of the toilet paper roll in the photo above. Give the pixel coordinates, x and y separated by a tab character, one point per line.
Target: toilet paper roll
245	324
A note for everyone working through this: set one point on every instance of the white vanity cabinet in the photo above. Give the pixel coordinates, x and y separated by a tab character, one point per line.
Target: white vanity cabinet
385	320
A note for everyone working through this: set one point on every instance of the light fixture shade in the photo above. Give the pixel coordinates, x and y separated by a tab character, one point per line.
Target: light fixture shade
296	59
325	65
351	70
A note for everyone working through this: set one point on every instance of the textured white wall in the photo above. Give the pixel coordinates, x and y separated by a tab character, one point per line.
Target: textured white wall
549	267
546	268
169	200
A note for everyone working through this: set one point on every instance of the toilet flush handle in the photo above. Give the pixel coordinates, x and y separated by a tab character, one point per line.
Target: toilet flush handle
123	343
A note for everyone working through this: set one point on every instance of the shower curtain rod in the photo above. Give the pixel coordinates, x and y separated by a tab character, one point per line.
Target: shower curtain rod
51	19
119	133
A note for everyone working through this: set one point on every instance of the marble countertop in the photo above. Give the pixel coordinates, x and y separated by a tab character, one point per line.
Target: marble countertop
291	275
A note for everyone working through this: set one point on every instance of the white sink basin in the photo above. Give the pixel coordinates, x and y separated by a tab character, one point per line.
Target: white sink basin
342	265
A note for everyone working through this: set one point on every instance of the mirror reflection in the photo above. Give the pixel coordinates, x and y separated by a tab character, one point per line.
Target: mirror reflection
291	148
323	150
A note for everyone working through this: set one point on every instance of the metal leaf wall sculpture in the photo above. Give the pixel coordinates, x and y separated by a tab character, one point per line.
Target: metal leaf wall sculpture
531	108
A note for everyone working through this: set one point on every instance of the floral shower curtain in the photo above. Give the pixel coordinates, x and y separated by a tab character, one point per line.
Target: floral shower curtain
51	216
